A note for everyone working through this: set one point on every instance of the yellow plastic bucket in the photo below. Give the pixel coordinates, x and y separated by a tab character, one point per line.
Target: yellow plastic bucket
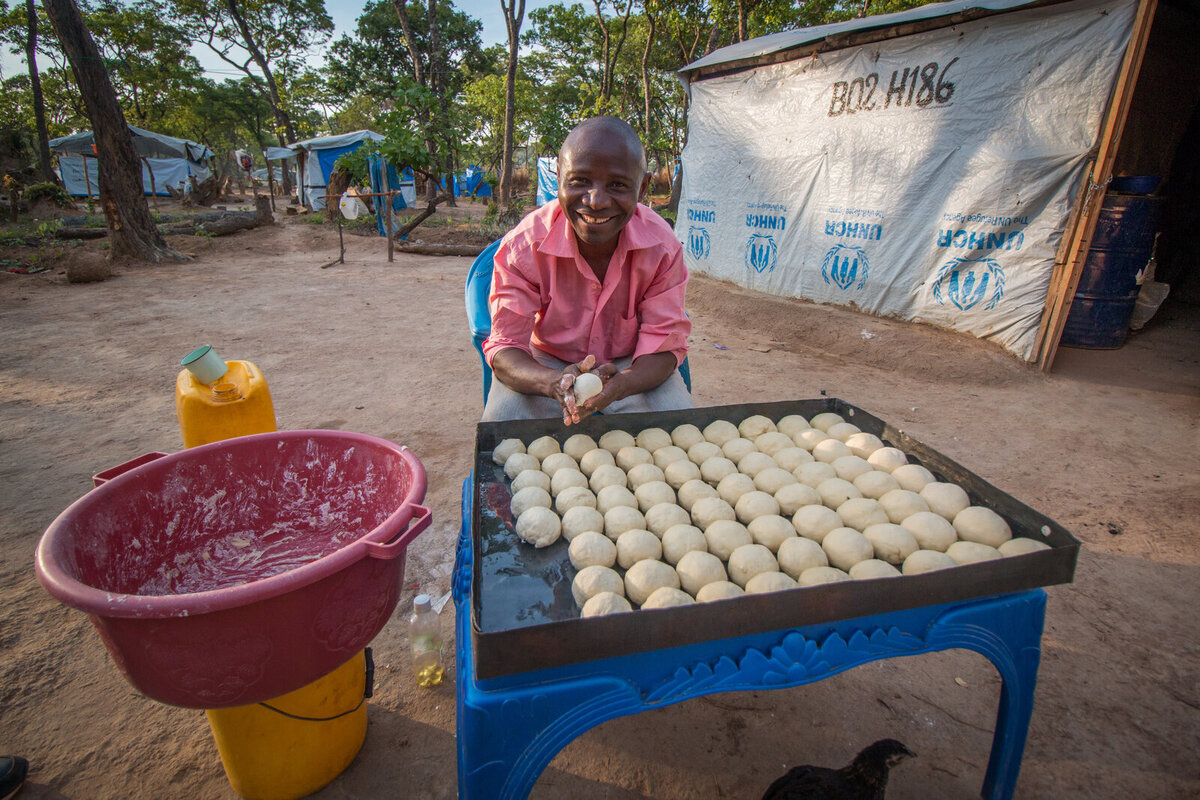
237	403
292	745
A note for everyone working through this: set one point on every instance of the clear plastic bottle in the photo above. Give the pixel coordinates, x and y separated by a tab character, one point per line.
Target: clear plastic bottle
426	639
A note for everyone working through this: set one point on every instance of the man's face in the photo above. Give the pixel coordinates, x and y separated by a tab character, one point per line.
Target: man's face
599	183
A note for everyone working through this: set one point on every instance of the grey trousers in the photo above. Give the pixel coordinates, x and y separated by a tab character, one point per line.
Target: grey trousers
505	403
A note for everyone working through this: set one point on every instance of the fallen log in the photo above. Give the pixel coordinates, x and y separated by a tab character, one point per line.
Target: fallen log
215	223
80	233
442	249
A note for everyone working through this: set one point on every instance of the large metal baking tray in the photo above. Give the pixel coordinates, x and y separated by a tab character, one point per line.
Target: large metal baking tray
524	618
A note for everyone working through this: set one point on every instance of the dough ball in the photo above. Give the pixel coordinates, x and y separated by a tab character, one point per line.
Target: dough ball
556	461
836	491
772	442
692	491
755	462
913	477
527	498
887	459
754	426
814	473
845	547
795	496
607	475
830	450
566	479
630	457
720	432
697	569
580	519
792	424
678	473
798	554
591	581
716	468
755	504
823	422
665	456
708	510
684	436
971	552
531	477
517	463
815	576
644	577
931	531
861	512
679	540
813	522
737	449
703	451
772	479
791	457
982	525
587	386
666	597
596	458
572	498
663	516
543	446
651	439
771	531
850	467
732	487
652	493
619	519
808	439
579	445
590	549
644	473
613	441
506	448
926	561
1021	546
637	545
605	603
863	444
900	504
721	590
892	543
539	526
724	536
873	568
875	484
842	431
610	497
944	499
765	582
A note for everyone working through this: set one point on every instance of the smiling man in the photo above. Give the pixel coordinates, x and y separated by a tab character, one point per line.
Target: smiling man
592	283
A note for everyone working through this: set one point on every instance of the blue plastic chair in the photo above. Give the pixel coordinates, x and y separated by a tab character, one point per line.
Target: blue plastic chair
479	286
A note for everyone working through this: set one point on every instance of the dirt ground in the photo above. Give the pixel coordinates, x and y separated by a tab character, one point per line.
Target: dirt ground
1106	444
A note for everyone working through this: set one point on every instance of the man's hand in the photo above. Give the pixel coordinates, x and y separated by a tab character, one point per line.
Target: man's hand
563	389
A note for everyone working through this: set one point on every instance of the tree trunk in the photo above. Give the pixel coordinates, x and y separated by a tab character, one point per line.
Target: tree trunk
646	73
35	83
131	228
514	12
402	14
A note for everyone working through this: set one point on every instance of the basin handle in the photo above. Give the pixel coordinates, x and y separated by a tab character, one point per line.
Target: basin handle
385	552
107	475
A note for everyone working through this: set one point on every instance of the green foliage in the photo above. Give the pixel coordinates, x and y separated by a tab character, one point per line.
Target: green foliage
356	164
48	190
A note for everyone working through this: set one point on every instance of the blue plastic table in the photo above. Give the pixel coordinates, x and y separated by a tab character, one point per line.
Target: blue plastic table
510	728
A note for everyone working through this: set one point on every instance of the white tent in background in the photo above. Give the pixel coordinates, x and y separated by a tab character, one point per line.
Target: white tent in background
315	160
166	161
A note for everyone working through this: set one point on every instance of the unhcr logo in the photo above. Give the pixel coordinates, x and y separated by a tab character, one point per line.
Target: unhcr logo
699	244
843	265
967	282
761	252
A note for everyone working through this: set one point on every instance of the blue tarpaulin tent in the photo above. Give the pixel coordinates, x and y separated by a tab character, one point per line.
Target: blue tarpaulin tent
473	181
547	168
396	180
315	160
171	160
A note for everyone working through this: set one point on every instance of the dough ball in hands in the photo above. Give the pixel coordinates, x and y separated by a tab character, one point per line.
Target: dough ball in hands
927	561
697	569
875	484
823	422
679	540
694	490
543	446
900	504
651	494
716	468
772	442
771	531
814	473
791	457
737	449
678	473
572	498
765	582
982	525
591	581
610	497
720	432
754	426
845	547
798	554
861	512
613	441
836	491
637	545
708	510
666	597
630	457
913	477
755	504
663	516
815	576
592	459
772	479
653	438
643	474
556	461
830	450
686	435
580	519
565	479
506	448
607	475
724	536
813	522
892	543
873	568
517	463
605	603
665	456
971	552
850	467
644	577
795	496
842	431
931	531
808	439
732	487
792	424
887	459
527	498
579	445
1021	546
619	519
703	451
863	444
755	462
590	549
530	477
721	590
539	526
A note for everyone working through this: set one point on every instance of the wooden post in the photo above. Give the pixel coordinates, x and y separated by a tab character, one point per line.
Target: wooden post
387	207
341	242
1065	278
87	181
271	179
388	216
153	190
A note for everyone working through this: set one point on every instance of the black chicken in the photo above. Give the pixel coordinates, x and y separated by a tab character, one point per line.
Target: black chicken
864	779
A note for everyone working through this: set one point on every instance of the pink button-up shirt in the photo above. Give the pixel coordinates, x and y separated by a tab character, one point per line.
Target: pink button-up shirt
544	293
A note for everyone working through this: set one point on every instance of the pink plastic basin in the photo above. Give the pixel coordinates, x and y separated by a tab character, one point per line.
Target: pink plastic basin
241	570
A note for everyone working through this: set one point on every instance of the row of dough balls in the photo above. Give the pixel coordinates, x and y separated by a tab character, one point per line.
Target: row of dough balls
851	512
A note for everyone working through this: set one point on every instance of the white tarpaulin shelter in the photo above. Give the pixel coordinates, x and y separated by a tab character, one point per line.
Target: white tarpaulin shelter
166	161
316	158
926	176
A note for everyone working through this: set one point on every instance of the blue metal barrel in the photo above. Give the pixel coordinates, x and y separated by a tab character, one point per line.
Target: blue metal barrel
1108	287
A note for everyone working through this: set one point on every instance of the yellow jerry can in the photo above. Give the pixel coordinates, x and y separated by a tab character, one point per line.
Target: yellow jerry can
233	400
